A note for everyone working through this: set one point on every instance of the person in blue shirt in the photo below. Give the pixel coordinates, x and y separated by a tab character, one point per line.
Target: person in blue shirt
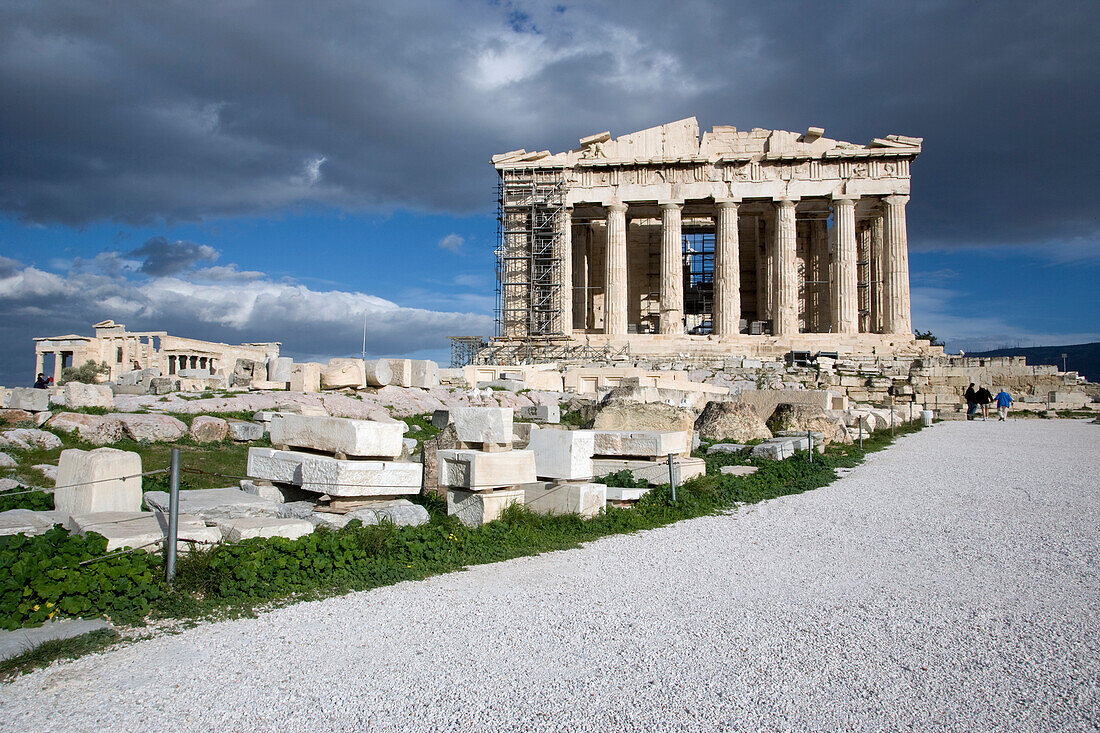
1003	400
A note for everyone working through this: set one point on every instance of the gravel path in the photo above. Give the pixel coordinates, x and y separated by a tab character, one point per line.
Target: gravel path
950	583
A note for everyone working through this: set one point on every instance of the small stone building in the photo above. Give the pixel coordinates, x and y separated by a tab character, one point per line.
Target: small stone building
663	241
124	351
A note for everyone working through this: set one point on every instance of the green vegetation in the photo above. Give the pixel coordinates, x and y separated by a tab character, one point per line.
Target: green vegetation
44	654
572	418
89	372
927	336
37	501
426	431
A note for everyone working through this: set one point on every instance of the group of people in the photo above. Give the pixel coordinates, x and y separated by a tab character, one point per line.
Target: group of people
979	400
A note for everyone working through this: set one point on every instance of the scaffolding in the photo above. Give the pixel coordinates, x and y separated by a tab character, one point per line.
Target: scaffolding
464	350
530	227
517	353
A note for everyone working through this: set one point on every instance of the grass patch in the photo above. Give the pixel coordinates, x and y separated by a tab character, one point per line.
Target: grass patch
51	651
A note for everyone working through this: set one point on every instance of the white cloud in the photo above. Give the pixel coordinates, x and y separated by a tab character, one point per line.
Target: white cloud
452	242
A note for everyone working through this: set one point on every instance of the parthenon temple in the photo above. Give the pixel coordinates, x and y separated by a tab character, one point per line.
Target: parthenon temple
747	242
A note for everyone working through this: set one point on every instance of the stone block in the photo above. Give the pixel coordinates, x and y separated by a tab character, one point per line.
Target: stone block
29	399
305	377
474	508
278	369
209	429
779	449
100	480
342	373
479	471
562	454
425	374
145	530
246	528
400	371
14	417
243	431
77	394
151	428
620	495
732	448
642	444
377	373
653	472
585	499
29	438
215	504
362	438
270	464
26	521
521	434
477	424
163	385
360	478
738	470
7	461
96	429
541	413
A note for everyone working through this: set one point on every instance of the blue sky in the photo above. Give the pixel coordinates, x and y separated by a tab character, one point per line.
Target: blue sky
280	175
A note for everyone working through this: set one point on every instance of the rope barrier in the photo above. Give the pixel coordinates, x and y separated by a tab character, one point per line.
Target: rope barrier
252	478
84	483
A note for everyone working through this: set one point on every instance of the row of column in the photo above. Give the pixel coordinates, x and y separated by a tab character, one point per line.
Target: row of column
889	263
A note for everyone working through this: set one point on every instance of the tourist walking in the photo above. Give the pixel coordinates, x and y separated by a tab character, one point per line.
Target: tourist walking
971	397
1003	399
984	397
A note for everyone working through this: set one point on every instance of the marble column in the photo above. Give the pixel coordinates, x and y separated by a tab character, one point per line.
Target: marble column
39	364
863	254
727	272
565	272
820	318
785	322
846	298
877	284
896	315
672	270
615	272
58	361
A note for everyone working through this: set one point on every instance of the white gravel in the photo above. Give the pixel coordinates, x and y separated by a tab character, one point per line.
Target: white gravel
950	583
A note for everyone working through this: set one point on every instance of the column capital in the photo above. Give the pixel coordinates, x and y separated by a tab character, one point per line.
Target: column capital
844	200
727	203
616	206
896	199
785	200
670	205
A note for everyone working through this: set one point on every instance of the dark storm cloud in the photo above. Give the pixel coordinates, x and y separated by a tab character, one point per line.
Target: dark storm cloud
140	111
161	257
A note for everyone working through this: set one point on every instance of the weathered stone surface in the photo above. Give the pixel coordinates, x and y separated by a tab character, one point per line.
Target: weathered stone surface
305	377
424	374
619	495
278	369
647	444
562	454
246	528
476	508
100	480
736	421
25	521
652	472
362	438
733	448
215	503
446	439
145	530
477	424
360	478
377	373
270	464
801	418
541	413
96	429
243	431
28	438
151	428
29	399
637	416
478	471
343	373
14	417
779	449
585	499
7	461
400	512
400	371
209	429
738	470
78	394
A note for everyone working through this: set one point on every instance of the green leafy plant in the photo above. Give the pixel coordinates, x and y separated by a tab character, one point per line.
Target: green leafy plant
89	372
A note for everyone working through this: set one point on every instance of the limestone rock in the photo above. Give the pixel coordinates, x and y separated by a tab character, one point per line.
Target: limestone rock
734	421
738	470
446	439
404	513
25	521
563	454
425	374
29	399
626	415
305	377
100	480
732	448
478	471
246	528
362	438
541	413
145	530
342	373
476	508
377	373
151	428
400	371
29	438
477	424
585	499
78	394
652	472
804	418
7	461
14	417
209	429
243	431
282	494
215	503
278	369
648	444
335	477
96	429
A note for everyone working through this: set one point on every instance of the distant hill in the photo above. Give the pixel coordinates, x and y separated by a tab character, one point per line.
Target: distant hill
1081	358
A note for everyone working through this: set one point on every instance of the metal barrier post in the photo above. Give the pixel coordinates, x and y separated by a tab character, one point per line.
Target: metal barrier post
672	476
173	517
810	442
